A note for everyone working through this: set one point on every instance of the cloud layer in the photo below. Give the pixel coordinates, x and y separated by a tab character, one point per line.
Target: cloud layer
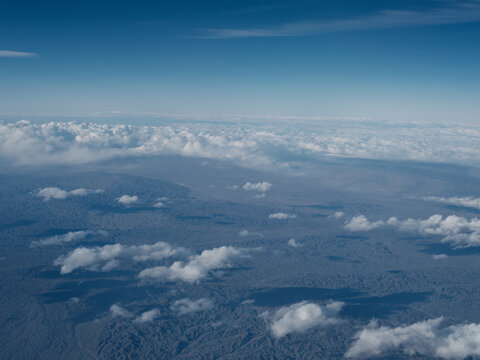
197	267
457	231
282	216
301	317
108	257
424	338
69	237
249	144
467	201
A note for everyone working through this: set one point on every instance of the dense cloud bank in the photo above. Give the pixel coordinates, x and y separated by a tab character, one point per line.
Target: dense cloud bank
457	231
250	144
424	338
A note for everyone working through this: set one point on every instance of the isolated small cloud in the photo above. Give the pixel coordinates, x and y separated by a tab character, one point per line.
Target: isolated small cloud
439	256
262	187
127	199
197	267
108	257
301	317
49	193
293	243
282	216
148	316
185	306
424	338
467	201
69	237
118	311
245	233
338	215
361	223
233	187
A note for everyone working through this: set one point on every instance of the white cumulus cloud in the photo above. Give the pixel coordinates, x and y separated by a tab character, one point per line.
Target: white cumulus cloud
118	311
301	317
49	193
467	201
108	257
293	243
424	338
197	267
127	199
455	230
262	187
185	306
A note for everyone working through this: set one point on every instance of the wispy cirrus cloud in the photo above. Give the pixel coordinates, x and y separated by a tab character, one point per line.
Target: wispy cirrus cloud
452	13
16	54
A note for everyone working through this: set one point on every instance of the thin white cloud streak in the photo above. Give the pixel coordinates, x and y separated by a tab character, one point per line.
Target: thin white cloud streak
424	338
147	316
467	201
301	317
454	13
250	144
108	257
282	216
118	311
457	231
50	193
197	267
16	54
69	237
186	306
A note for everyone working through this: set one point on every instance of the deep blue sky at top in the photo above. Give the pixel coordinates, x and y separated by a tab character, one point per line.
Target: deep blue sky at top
392	59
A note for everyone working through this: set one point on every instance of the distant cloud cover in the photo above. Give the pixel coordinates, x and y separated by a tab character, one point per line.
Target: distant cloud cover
282	216
68	237
301	317
262	187
186	306
424	338
251	144
467	201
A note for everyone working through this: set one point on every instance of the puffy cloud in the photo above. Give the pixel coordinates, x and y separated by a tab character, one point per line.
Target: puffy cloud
262	187
361	223
458	231
468	201
424	338
105	258
293	243
185	306
118	311
282	216
71	236
439	256
338	215
148	316
257	144
197	267
127	199
49	193
301	317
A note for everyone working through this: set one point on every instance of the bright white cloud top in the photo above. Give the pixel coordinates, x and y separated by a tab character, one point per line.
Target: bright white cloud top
467	201
118	311
261	187
457	231
108	257
301	317
127	199
250	144
424	338
50	193
197	267
148	316
186	306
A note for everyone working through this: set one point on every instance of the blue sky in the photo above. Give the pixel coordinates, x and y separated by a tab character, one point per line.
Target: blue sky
395	60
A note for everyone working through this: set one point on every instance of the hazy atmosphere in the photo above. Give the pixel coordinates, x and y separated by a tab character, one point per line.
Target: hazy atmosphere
240	179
